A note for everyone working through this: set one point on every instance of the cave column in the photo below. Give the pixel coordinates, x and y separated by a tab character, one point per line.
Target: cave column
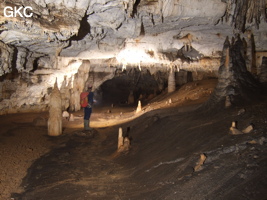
55	110
171	81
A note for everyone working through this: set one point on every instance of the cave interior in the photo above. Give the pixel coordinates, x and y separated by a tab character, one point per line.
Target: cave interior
180	99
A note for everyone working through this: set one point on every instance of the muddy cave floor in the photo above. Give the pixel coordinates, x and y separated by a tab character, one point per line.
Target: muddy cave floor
167	140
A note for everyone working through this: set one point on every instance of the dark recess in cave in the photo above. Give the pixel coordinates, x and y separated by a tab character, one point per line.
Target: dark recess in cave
135	7
35	65
142	31
83	30
117	90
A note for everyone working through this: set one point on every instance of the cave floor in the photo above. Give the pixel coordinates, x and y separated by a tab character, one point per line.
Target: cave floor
167	139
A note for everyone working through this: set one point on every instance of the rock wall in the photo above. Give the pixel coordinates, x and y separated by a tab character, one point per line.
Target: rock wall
30	92
6	58
81	41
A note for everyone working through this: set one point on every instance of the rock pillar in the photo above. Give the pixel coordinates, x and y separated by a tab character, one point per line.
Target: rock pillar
55	116
171	81
120	138
235	84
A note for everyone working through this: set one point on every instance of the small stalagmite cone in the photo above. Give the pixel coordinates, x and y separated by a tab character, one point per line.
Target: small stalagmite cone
65	114
120	138
248	129
139	107
126	144
200	162
71	119
233	124
233	129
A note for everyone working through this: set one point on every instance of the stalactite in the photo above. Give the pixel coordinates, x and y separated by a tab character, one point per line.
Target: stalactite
241	12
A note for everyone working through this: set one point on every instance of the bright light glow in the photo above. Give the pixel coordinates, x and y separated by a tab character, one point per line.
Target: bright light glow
134	56
68	72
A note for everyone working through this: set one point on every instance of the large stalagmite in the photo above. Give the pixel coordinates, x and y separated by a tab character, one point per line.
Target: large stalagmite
235	82
55	113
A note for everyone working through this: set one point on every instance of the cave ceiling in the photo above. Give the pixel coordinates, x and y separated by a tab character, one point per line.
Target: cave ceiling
75	42
92	29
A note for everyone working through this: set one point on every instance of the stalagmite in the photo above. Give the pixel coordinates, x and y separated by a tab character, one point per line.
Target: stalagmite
233	130
139	107
65	114
120	138
131	98
201	161
248	129
55	113
171	81
126	145
234	124
241	112
234	81
71	119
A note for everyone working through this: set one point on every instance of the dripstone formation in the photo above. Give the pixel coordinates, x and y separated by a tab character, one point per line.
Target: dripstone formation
235	83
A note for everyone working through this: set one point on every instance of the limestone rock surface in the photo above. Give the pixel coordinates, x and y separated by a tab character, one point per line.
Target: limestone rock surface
62	34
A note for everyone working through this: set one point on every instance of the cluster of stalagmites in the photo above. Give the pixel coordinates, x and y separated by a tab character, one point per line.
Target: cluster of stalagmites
235	83
235	131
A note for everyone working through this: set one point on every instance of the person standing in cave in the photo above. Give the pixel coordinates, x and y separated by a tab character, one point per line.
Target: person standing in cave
88	108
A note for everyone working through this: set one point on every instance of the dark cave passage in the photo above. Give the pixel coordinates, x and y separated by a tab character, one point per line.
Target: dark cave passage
127	87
